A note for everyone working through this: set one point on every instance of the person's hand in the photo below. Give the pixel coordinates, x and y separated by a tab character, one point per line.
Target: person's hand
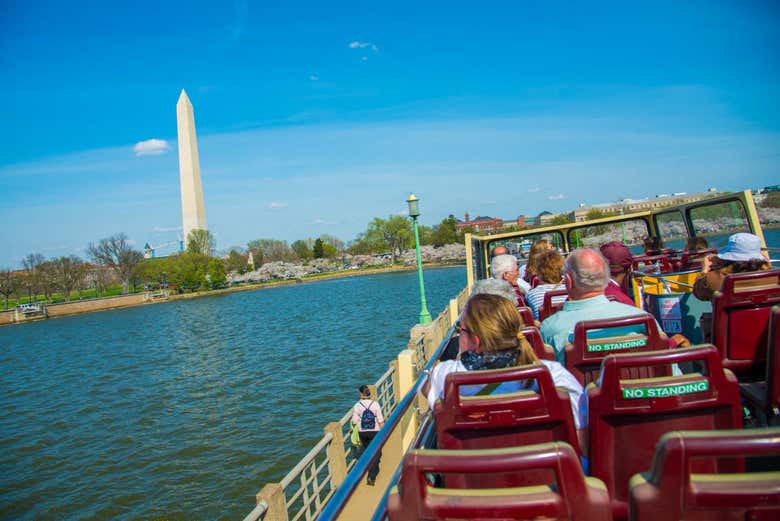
681	341
706	264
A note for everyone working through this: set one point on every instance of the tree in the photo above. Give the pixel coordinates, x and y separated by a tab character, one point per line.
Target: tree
47	278
115	252
215	273
188	270
272	250
338	244
69	274
9	283
446	232
317	250
236	263
31	279
201	241
595	213
425	233
561	219
395	233
302	250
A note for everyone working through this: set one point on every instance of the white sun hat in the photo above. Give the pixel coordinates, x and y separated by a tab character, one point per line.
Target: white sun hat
742	247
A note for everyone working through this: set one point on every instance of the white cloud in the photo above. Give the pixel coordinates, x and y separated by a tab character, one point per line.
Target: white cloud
534	189
556	197
277	205
314	78
363	45
151	147
322	221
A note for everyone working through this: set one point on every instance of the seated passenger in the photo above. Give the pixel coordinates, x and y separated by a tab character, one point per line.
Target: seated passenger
586	275
490	338
482	287
549	270
528	270
652	245
499	250
619	258
696	244
741	254
504	267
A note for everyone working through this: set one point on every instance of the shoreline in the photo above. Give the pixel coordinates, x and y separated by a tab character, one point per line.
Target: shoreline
80	307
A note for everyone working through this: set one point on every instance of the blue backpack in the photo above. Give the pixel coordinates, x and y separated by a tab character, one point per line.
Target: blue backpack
367	419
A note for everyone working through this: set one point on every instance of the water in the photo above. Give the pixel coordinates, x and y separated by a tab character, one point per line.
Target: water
183	410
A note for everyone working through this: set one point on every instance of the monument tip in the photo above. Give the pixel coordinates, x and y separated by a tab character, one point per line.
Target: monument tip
183	96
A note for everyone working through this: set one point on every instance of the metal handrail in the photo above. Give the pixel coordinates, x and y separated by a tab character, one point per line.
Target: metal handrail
258	511
347	488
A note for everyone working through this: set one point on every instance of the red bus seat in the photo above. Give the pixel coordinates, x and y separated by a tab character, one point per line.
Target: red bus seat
764	396
566	495
626	417
693	259
542	350
650	264
539	414
583	357
681	486
548	308
526	315
740	316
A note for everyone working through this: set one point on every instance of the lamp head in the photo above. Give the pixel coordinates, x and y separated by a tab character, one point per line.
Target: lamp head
414	206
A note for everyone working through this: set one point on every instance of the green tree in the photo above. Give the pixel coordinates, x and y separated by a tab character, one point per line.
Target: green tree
318	250
446	232
302	250
561	218
236	263
150	271
201	241
595	213
188	270
425	233
393	234
116	253
216	273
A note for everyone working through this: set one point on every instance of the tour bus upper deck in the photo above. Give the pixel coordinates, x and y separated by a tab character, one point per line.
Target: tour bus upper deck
714	219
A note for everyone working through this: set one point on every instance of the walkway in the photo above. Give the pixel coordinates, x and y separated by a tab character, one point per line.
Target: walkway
364	500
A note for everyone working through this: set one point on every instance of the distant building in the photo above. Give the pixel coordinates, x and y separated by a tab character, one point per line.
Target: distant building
485	223
544	219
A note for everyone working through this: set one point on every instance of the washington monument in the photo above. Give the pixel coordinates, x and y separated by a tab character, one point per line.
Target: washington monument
193	212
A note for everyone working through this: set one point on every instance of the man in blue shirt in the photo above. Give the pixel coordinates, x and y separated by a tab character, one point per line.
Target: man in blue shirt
585	274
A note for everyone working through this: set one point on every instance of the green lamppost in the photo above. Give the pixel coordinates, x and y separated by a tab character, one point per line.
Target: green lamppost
414	213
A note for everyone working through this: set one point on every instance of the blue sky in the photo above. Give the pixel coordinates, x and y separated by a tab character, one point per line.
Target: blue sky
314	118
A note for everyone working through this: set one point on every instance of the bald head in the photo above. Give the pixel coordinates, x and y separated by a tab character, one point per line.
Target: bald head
498	250
586	273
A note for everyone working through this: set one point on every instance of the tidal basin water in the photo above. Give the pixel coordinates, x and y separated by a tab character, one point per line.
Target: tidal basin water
183	410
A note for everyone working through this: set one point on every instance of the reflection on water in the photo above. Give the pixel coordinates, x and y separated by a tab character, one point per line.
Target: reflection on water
183	410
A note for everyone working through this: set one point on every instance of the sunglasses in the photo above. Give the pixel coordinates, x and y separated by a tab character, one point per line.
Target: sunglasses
461	328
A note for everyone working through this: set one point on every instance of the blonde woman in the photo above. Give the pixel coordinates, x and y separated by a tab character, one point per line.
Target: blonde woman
490	338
